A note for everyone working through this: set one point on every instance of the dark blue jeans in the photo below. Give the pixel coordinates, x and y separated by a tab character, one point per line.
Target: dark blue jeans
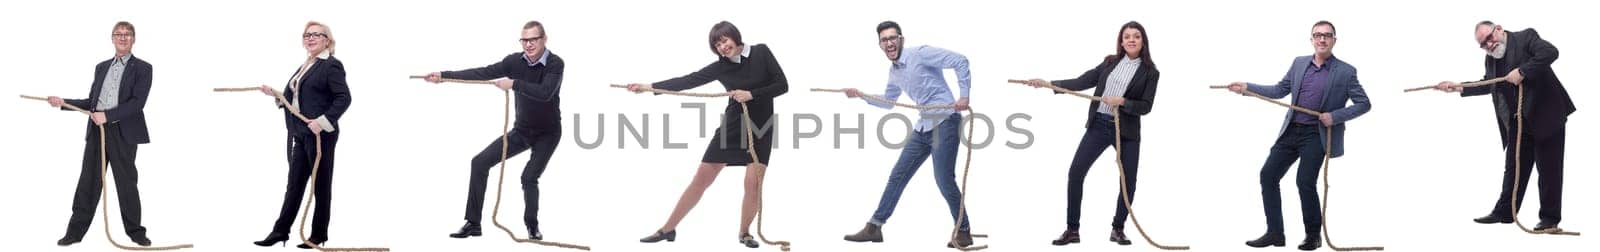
1095	141
1301	142
942	144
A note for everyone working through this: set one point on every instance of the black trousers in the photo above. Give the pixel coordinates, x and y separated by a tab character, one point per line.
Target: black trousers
1546	154
1303	143
301	155
1096	139
542	142
125	175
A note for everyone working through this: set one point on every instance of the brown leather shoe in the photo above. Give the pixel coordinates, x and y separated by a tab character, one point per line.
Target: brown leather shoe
869	233
963	239
1067	237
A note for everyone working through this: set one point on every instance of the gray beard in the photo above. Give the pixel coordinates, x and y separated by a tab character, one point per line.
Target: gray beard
1499	51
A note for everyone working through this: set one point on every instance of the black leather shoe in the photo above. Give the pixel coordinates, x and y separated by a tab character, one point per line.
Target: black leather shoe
308	246
658	236
1546	227
1119	238
1492	219
273	239
1312	242
535	235
1067	237
68	240
1275	240
748	241
468	230
869	233
963	239
141	240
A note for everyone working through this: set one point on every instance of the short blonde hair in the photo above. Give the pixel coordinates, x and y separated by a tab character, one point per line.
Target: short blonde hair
325	30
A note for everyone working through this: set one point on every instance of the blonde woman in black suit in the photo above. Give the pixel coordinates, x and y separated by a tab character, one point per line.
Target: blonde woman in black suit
319	91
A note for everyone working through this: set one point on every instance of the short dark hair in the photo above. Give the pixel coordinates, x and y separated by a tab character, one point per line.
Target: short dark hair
1329	24
535	23
124	25
724	29
888	25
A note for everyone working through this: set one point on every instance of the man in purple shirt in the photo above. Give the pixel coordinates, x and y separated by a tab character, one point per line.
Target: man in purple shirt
1318	82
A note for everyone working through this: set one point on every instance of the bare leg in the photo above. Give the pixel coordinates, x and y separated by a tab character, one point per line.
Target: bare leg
691	196
752	196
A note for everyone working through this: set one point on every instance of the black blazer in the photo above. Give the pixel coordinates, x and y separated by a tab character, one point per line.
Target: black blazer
323	92
1141	93
132	93
1546	103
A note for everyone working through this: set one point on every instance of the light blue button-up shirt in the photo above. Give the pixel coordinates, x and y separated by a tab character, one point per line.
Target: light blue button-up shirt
919	73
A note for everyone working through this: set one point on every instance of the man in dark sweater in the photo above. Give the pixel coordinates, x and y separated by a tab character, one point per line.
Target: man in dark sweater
534	77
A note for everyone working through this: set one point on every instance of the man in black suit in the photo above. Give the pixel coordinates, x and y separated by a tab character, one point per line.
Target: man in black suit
1524	59
117	97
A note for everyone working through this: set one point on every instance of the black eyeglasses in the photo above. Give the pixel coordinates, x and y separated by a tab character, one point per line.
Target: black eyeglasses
1485	42
888	39
121	35
313	34
1322	35
531	40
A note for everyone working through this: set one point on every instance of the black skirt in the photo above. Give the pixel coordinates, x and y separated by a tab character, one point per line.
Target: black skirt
729	146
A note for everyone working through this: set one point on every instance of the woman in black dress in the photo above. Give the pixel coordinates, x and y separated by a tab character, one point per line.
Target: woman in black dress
752	76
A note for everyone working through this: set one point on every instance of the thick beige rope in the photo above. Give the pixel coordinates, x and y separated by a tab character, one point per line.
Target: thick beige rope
755	159
505	145
1462	85
1517	156
965	170
105	211
1518	178
311	185
1327	155
1116	118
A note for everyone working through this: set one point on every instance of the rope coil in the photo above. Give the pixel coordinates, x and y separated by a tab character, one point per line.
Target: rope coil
105	211
1516	156
311	185
1116	118
755	159
1327	154
965	170
504	154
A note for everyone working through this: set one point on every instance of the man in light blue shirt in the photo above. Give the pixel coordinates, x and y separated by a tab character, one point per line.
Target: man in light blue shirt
919	73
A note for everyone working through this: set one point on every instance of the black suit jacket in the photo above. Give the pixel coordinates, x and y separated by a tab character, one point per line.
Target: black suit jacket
322	92
132	93
1546	101
1141	93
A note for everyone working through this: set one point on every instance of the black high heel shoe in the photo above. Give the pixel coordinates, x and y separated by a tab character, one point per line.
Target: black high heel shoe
273	239
308	246
658	236
748	241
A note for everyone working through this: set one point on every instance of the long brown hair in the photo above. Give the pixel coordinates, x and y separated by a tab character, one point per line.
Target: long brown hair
1144	53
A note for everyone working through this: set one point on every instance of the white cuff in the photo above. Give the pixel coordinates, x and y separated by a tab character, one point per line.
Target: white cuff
327	126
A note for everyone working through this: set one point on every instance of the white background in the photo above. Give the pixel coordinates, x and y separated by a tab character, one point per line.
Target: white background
1418	167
